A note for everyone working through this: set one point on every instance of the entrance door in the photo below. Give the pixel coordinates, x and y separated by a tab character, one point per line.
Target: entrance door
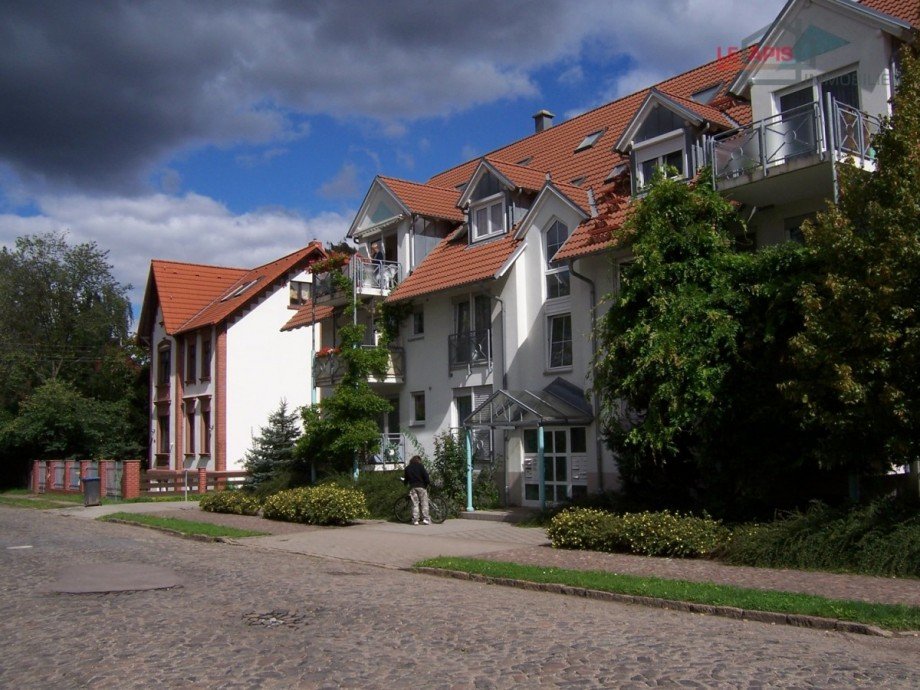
564	465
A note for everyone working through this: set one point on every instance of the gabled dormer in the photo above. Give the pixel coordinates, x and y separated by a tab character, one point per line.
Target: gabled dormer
668	131
497	197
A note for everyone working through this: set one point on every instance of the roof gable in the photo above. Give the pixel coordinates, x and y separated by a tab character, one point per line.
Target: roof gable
425	200
380	208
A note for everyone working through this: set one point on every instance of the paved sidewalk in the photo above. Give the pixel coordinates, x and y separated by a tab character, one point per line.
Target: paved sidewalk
395	545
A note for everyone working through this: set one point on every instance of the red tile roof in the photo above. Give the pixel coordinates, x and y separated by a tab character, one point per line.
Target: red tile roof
425	200
521	176
307	315
182	290
191	295
905	10
553	150
453	263
262	278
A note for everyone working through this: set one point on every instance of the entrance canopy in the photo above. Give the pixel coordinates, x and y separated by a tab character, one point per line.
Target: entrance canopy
559	404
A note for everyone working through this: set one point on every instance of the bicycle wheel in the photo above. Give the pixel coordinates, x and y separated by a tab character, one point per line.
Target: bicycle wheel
437	511
402	509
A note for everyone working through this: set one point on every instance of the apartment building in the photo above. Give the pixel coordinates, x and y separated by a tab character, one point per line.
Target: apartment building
504	261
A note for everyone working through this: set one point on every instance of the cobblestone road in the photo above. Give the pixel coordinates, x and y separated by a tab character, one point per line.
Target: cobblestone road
246	618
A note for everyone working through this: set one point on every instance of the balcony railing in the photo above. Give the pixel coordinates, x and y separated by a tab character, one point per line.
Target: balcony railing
368	277
472	348
790	135
328	368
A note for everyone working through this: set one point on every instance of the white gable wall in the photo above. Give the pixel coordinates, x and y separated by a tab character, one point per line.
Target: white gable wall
264	365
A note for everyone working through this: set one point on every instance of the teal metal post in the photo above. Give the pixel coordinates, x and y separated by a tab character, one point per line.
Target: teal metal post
541	464
355	470
469	471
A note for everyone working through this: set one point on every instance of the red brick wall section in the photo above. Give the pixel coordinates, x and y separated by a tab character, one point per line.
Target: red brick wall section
102	485
220	401
202	480
36	476
177	461
131	479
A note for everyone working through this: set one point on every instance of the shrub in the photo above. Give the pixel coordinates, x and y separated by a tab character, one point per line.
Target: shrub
380	489
230	501
325	504
882	538
649	534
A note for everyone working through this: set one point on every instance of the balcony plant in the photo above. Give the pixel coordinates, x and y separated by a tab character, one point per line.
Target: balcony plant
333	262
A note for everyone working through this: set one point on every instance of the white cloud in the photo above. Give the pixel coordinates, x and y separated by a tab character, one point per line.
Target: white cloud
343	185
191	228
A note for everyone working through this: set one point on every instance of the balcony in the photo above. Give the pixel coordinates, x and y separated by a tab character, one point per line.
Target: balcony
470	349
368	278
791	155
328	368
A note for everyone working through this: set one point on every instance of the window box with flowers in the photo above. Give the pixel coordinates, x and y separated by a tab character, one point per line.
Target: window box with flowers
329	275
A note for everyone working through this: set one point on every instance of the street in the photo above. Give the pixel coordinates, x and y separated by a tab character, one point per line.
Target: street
248	617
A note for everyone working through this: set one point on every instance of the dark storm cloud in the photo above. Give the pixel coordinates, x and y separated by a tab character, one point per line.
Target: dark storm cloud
94	94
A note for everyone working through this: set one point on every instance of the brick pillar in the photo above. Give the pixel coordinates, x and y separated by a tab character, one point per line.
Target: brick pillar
202	480
49	475
102	487
85	467
131	479
67	470
36	475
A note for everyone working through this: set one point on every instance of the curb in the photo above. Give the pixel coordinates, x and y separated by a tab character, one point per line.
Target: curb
173	532
794	619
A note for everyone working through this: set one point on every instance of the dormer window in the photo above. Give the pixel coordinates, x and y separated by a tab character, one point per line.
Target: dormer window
589	141
487	217
661	152
706	95
240	290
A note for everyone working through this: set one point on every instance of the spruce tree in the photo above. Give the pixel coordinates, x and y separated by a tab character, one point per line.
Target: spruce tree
272	450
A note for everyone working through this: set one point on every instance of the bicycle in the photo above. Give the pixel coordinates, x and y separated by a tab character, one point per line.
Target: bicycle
437	509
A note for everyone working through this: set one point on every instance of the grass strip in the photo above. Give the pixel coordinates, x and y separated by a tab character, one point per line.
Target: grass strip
186	527
888	616
34	503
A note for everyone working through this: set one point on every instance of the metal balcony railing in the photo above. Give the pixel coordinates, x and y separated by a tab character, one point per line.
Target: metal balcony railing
472	348
367	276
328	368
792	134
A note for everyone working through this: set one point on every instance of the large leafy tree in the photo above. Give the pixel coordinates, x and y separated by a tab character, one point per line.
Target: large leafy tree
690	355
858	355
65	353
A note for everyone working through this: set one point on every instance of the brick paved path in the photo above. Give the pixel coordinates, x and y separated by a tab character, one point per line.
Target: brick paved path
335	624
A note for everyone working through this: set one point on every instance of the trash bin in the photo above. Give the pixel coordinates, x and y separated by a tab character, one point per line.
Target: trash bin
91	491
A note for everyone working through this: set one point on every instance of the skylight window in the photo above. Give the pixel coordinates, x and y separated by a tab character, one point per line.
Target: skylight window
589	141
240	290
707	94
578	181
525	161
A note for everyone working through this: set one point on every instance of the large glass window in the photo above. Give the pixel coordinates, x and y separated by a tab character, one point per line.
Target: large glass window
564	464
164	366
191	361
205	426
488	219
205	359
560	340
557	272
672	162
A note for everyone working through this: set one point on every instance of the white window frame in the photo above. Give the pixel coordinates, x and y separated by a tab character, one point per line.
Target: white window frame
420	313
548	340
487	203
815	84
658	148
549	269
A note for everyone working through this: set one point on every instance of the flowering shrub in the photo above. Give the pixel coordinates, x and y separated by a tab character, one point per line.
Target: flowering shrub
235	502
649	534
325	504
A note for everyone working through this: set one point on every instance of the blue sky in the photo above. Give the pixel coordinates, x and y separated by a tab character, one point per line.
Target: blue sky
229	132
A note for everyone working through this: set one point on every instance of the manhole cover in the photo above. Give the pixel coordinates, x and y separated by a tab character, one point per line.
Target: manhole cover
276	619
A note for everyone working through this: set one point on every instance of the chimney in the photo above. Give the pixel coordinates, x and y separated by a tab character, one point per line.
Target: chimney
542	120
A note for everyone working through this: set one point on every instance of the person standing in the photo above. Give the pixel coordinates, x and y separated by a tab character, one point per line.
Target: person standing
416	476
377	259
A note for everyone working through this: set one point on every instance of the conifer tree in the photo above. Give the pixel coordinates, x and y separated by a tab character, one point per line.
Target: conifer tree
272	450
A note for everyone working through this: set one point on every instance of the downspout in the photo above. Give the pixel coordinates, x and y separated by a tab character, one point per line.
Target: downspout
504	369
595	399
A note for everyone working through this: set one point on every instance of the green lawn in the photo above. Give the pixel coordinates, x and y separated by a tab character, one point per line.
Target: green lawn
185	527
34	503
888	616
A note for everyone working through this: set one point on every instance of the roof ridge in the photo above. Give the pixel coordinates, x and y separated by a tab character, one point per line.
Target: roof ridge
195	263
418	184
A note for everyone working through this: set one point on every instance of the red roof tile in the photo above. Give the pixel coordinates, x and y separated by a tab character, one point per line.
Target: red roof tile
905	10
453	263
262	278
425	200
599	233
521	176
307	315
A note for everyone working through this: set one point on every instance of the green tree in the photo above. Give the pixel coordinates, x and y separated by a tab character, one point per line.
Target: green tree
272	450
690	356
62	315
64	332
858	355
